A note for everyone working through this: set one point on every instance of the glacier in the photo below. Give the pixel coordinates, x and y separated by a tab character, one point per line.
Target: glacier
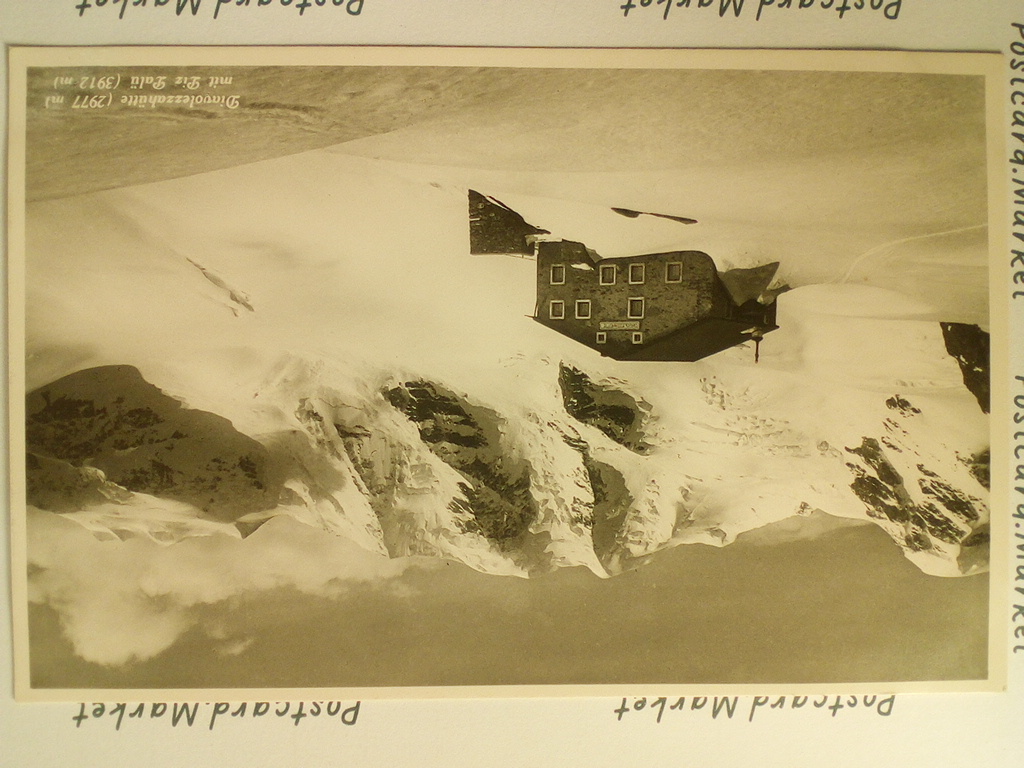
395	397
855	409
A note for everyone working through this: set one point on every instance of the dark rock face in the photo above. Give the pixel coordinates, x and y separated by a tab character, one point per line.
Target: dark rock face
883	491
496	228
902	405
112	419
970	346
612	501
60	486
980	466
948	515
629	213
949	498
468	438
617	414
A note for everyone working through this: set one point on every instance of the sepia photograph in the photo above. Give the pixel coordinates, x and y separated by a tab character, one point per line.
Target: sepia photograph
426	371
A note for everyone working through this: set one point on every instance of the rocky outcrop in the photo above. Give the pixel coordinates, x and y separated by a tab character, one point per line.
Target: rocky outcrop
613	411
612	502
629	213
236	299
496	228
934	514
110	419
60	486
980	466
411	467
496	491
969	345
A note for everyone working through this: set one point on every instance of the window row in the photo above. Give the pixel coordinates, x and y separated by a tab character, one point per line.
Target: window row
636	274
636	337
635	309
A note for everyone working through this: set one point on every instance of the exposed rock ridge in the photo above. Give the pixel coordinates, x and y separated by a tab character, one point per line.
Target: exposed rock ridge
970	346
410	466
610	409
923	512
497	490
111	420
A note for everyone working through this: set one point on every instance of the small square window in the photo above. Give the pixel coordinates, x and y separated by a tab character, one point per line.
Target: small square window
674	272
607	274
558	274
638	337
635	309
556	310
636	274
602	337
583	309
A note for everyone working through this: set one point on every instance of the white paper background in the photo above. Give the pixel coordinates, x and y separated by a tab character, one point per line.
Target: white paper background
926	730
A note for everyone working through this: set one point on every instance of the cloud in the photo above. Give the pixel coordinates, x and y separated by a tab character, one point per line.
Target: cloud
125	601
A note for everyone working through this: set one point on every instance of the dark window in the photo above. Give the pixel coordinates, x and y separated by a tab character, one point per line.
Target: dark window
602	337
638	337
556	310
558	274
636	308
607	272
674	272
636	274
583	309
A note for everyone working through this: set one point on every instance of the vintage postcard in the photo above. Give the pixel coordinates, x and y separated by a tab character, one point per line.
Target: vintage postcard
502	372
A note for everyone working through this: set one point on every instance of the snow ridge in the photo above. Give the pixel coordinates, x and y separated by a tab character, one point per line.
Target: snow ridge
585	470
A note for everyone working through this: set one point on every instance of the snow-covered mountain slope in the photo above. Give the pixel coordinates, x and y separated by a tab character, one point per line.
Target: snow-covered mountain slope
391	389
